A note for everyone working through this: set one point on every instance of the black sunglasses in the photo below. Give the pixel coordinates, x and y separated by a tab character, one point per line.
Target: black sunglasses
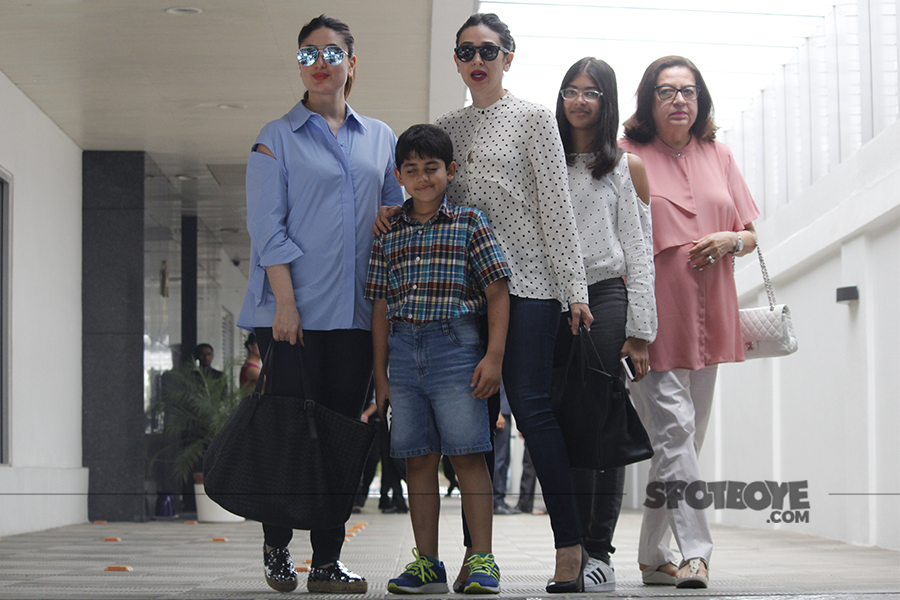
487	52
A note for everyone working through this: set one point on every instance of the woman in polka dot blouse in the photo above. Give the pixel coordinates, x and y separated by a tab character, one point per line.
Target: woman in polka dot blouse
512	167
611	197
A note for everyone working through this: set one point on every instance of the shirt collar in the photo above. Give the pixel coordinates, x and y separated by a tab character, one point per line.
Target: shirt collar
446	210
299	115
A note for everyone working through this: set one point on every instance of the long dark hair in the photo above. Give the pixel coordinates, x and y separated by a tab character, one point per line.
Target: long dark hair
339	27
492	22
641	127
603	145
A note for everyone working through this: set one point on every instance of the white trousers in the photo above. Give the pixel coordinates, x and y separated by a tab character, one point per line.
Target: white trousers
674	407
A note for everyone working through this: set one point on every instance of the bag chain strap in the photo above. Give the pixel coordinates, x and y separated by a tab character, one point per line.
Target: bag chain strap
770	290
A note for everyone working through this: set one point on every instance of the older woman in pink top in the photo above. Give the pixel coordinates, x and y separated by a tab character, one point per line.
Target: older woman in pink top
702	217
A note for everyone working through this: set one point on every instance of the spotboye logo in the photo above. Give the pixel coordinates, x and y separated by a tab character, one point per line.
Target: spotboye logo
756	495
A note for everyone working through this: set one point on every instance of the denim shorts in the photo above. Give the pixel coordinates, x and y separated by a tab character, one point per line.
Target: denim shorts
433	411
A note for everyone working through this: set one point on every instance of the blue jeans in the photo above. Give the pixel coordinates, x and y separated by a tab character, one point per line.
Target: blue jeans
527	377
431	369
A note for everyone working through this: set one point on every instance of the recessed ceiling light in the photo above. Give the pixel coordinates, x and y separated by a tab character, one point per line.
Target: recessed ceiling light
183	10
231	106
185	177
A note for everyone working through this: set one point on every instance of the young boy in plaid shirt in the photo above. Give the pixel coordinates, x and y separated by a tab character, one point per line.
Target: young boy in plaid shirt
430	277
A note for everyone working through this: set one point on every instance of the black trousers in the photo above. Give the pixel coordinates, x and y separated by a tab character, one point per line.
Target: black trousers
338	367
598	494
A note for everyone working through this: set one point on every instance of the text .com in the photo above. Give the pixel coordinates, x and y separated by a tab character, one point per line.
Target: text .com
787	501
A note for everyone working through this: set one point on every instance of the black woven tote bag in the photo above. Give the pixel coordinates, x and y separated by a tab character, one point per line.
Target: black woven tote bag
599	423
287	461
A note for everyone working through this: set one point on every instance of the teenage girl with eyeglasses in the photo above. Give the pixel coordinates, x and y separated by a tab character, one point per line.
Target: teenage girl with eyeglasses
315	180
611	197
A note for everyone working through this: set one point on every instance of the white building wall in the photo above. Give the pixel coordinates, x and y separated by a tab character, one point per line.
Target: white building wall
42	484
829	413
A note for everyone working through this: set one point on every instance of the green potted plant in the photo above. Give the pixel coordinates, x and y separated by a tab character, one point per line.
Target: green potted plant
191	407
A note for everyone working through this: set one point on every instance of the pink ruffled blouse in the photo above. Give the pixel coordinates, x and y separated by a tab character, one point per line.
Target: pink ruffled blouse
694	191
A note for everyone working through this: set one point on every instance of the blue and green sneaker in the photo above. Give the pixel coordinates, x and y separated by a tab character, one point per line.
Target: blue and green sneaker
484	575
425	575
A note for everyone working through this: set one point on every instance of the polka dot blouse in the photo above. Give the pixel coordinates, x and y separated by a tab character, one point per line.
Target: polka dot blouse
512	167
616	238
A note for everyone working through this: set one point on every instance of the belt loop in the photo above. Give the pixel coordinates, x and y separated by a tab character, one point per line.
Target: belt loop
445	326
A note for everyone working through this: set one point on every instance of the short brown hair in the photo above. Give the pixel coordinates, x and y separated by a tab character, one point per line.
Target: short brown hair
641	127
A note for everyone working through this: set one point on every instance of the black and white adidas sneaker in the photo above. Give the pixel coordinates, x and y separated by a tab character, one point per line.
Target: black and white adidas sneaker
599	576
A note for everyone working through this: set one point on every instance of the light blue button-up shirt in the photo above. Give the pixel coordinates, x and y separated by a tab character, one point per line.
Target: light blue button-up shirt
312	207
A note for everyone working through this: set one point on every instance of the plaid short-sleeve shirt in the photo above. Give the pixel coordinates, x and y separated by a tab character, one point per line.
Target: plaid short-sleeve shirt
435	270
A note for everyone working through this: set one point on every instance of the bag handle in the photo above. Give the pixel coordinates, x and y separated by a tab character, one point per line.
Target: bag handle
309	406
770	289
588	347
265	374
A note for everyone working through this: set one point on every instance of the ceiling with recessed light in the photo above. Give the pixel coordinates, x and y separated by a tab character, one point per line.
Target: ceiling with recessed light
192	83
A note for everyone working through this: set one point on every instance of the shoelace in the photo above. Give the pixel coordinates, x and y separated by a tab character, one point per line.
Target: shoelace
484	565
421	567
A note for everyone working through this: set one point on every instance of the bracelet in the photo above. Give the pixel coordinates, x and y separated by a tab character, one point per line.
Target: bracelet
739	245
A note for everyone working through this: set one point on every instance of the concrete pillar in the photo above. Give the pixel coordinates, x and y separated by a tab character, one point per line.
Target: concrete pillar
113	326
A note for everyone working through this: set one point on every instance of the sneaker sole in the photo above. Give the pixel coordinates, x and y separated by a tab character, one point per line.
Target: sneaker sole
428	588
609	586
337	587
282	586
477	588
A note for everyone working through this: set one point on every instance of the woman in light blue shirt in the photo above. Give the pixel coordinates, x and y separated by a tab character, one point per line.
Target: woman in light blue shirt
315	180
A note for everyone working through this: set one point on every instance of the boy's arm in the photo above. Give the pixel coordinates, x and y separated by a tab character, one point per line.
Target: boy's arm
486	378
381	328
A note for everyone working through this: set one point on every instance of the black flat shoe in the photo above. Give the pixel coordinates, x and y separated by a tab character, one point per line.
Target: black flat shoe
335	579
279	569
574	586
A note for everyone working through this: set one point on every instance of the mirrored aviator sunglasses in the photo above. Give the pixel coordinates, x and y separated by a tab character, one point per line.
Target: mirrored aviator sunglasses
488	52
307	55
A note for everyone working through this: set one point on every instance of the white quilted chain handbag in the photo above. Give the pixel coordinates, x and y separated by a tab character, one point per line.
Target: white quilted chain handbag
767	330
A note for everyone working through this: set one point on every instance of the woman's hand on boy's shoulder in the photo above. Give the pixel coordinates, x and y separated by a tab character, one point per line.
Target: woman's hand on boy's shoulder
383	219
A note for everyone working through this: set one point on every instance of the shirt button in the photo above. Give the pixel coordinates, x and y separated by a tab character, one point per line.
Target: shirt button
418	258
414	287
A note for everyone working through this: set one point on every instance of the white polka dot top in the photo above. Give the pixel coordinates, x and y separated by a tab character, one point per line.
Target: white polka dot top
512	167
616	238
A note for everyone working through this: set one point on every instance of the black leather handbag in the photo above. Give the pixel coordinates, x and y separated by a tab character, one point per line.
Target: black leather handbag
287	461
599	423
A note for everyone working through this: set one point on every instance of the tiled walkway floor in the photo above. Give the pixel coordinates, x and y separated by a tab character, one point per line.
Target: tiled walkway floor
174	560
